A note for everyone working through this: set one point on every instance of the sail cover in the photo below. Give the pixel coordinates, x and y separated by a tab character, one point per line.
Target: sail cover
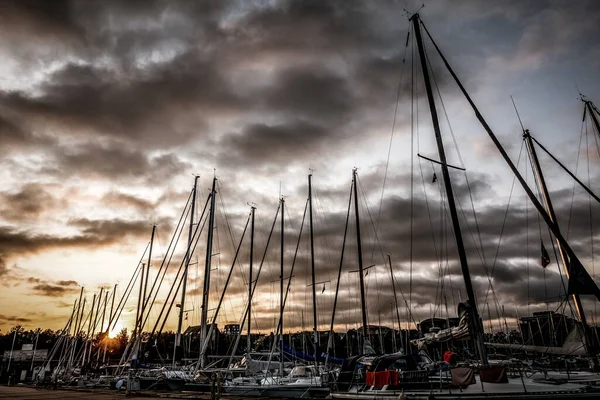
460	332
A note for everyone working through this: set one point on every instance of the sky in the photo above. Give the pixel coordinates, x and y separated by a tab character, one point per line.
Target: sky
109	108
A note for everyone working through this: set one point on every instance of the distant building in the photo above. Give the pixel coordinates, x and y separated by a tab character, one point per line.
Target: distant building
546	328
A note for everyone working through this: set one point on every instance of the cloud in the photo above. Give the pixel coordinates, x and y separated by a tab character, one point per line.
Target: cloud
108	104
53	290
119	199
13	319
92	233
29	202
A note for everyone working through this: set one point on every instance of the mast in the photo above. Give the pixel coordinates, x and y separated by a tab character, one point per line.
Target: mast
552	215
88	335
76	328
207	264
139	303
101	330
144	299
76	336
363	306
395	300
281	287
476	322
248	339
312	270
112	306
95	324
581	282
331	341
185	271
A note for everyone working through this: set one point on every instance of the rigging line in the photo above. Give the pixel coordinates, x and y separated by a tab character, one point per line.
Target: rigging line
289	283
597	144
576	169
225	214
245	315
480	244
481	252
586	188
439	284
432	230
590	211
174	246
387	163
129	287
368	209
539	219
375	239
512	187
527	246
180	225
188	254
412	173
538	189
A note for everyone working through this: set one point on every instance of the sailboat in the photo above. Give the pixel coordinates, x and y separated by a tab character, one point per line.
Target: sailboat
288	380
481	379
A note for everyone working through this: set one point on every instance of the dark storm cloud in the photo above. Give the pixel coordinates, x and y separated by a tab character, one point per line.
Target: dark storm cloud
29	202
516	275
310	92
13	319
147	102
52	288
47	20
276	143
129	92
120	199
178	94
92	233
44	289
114	161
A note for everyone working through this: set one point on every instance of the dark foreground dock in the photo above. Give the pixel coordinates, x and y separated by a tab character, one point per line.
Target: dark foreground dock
23	392
30	393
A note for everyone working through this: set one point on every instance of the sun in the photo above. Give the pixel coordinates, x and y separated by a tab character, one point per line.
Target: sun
115	331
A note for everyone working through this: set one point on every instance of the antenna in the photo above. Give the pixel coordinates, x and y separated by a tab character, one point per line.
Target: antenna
409	14
581	95
518	116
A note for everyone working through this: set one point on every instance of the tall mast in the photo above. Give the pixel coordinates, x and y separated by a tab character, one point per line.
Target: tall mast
112	306
140	301
185	271
312	270
144	300
101	330
207	264
95	323
76	327
552	214
88	335
248	339
476	322
581	282
281	287
363	306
